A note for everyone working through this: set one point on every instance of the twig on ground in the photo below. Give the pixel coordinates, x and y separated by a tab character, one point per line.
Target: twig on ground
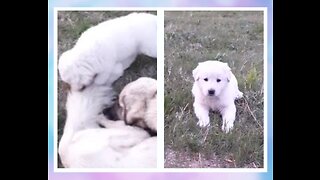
254	165
199	155
254	117
206	134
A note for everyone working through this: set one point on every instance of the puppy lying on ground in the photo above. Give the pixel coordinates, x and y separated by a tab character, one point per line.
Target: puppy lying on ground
137	104
85	145
104	51
215	88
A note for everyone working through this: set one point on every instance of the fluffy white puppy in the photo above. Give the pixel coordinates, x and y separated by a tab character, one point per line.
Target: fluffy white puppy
85	145
120	147
104	51
137	104
215	88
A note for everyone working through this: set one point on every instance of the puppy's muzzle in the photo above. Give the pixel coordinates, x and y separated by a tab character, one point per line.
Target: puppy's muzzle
211	92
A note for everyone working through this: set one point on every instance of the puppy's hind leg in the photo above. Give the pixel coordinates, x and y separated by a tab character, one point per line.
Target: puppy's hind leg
202	114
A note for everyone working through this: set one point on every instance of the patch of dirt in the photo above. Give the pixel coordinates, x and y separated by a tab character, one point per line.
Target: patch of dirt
175	159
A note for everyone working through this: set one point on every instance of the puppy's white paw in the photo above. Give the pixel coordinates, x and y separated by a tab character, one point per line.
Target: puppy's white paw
239	95
202	123
227	127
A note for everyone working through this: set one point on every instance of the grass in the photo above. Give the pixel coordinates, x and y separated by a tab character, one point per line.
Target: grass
70	26
233	37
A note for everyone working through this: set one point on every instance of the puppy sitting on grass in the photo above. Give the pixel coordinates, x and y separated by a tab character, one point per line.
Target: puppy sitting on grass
215	87
137	104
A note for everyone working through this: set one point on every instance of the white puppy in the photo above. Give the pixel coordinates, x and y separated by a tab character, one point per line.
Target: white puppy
104	51
85	145
215	88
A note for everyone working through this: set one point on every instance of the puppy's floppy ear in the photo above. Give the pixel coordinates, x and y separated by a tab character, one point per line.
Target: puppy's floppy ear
227	71
134	113
195	73
122	111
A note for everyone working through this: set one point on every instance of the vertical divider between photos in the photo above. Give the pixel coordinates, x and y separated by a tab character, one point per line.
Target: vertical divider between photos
160	89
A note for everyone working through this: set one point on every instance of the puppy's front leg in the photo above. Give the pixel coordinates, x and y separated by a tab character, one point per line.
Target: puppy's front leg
239	95
228	117
202	114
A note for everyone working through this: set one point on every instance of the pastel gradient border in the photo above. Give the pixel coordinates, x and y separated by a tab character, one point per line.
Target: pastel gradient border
159	175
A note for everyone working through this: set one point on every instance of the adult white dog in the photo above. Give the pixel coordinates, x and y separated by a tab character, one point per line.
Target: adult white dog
215	88
104	51
85	145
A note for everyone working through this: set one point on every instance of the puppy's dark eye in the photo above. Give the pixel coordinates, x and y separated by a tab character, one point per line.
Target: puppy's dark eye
82	88
205	79
218	80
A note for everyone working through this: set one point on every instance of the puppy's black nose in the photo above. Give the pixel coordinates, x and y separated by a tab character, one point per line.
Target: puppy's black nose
211	92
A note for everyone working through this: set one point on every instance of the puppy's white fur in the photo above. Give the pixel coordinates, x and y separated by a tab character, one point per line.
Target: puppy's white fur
104	51
215	88
85	145
138	103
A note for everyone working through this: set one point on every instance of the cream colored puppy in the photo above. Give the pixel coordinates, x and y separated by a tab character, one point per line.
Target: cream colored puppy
215	88
104	51
137	104
85	145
